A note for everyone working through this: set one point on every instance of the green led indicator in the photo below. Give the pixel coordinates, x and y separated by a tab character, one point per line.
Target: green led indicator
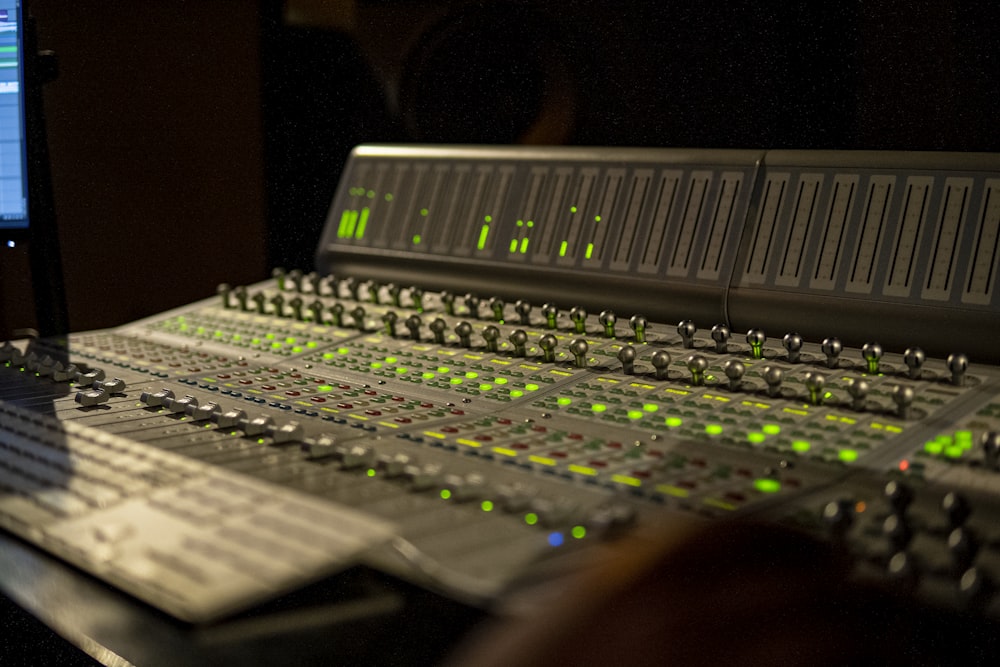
342	350
562	248
445	494
388	196
954	451
771	429
370	194
352	221
485	387
513	245
416	239
572	209
344	218
423	212
579	532
531	386
516	393
488	218
713	429
324	388
766	485
524	245
428	376
848	455
519	223
801	446
650	407
599	407
597	218
455	381
673	422
563	400
371	472
531	518
531	223
359	233
486	505
483	234
635	414
443	369
472	375
756	437
590	250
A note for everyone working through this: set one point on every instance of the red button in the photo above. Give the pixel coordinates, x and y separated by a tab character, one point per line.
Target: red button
292	393
318	399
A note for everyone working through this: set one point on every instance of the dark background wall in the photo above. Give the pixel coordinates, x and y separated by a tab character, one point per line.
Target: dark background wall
199	141
154	128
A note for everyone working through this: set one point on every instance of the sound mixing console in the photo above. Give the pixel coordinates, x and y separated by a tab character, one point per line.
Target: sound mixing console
509	354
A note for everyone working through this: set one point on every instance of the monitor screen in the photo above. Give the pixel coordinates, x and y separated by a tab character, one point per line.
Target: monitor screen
13	154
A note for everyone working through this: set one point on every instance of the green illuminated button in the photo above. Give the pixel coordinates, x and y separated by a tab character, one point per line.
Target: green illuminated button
598	407
674	422
767	485
635	414
848	455
801	446
579	532
771	429
562	400
756	437
713	429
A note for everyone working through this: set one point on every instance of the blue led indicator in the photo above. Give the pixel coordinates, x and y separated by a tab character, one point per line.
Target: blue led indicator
556	539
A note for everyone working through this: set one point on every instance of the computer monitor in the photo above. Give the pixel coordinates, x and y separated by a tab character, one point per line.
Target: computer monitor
13	152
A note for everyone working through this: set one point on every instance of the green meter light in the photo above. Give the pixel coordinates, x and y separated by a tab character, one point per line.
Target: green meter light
767	485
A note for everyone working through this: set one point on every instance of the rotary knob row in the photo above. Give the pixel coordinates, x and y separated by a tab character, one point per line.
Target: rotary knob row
316	285
871	353
262	425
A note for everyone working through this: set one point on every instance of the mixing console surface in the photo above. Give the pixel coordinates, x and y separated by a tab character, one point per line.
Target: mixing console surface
455	440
